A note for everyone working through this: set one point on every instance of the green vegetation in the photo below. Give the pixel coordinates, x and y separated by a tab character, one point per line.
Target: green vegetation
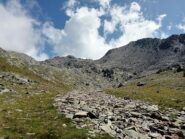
166	89
23	70
29	113
34	116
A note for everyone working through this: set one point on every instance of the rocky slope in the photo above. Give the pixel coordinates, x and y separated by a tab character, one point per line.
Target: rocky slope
146	54
121	118
22	78
136	59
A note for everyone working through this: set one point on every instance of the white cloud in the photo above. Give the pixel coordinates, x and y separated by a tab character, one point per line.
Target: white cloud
161	17
132	24
18	32
109	27
135	7
104	3
181	27
81	35
71	3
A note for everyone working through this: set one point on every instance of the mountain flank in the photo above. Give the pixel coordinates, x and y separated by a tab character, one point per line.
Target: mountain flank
136	59
135	91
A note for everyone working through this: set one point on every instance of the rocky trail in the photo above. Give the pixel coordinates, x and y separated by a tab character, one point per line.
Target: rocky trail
121	118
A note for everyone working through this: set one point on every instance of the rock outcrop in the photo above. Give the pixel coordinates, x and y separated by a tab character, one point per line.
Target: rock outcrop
146	55
138	58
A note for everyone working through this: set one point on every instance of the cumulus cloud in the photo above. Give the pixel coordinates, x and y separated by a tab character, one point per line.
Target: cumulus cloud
181	26
87	34
81	35
71	3
104	3
132	24
18	31
135	7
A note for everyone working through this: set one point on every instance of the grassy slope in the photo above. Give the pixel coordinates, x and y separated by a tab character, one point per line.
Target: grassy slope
166	89
32	115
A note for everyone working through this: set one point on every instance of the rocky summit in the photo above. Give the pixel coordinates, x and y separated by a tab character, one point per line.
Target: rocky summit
133	92
147	54
135	59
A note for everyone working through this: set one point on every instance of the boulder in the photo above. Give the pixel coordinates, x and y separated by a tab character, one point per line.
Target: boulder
141	84
165	118
120	85
135	114
108	130
153	108
156	115
80	114
155	135
84	114
135	135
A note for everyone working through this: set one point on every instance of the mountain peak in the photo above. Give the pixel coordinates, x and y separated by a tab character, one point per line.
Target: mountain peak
146	54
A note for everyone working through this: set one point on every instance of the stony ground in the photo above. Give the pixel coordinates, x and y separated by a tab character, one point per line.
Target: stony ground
121	118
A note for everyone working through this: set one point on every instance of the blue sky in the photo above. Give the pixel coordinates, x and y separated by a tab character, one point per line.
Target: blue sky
85	28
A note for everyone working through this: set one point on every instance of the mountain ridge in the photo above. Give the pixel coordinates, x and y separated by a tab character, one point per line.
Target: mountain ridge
147	49
54	92
138	58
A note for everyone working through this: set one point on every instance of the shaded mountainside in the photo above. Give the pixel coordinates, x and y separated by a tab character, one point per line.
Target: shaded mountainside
138	58
29	90
146	54
26	96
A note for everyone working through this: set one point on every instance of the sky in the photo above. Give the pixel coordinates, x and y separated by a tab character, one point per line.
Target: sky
86	29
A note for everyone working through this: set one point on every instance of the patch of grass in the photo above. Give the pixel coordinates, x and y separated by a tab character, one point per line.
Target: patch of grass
32	115
166	89
104	136
23	70
35	117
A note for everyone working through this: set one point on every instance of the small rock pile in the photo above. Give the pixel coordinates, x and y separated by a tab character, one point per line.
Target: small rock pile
3	89
15	78
121	118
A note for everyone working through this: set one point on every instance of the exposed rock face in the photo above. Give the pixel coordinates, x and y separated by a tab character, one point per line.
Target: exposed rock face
102	113
18	59
138	58
146	54
3	89
119	117
15	78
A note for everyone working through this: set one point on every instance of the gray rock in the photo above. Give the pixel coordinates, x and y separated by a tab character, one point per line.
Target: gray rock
118	117
141	84
156	115
80	114
135	135
135	114
108	130
155	135
165	118
153	108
